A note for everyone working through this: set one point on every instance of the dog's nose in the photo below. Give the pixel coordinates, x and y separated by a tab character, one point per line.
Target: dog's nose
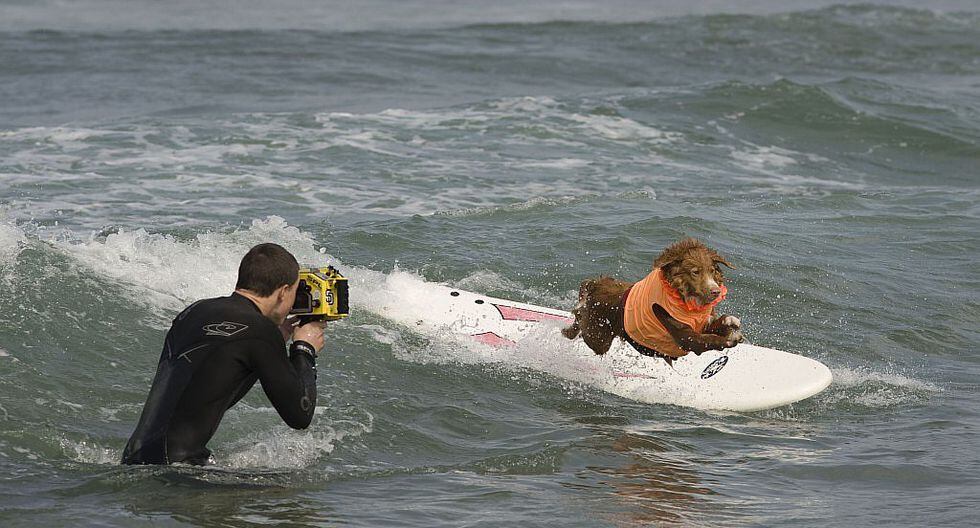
715	292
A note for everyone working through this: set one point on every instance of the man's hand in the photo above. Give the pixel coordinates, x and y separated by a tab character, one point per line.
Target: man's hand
287	327
312	333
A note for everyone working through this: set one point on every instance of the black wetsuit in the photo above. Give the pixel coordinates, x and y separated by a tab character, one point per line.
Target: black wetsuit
214	352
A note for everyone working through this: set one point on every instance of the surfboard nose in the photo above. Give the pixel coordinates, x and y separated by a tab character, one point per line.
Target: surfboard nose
772	378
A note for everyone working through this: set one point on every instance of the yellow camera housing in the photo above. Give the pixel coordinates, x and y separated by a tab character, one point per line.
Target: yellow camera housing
321	296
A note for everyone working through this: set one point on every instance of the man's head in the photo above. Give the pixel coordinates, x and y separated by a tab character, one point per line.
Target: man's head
271	273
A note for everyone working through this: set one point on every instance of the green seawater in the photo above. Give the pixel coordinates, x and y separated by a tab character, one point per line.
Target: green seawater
830	153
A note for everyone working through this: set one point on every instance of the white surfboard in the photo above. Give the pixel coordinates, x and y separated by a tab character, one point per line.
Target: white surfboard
744	378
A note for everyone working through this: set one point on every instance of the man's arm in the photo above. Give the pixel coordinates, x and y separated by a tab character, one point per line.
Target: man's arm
288	381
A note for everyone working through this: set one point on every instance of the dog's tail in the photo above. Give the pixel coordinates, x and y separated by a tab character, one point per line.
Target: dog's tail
584	292
587	287
572	331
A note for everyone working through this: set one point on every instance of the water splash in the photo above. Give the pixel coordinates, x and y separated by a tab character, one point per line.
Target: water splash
874	389
282	447
12	240
89	452
175	272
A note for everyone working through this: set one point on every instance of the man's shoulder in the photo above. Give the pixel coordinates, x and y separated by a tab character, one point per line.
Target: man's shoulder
203	307
229	316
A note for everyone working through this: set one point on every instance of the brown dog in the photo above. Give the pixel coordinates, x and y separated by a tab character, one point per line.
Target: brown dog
667	314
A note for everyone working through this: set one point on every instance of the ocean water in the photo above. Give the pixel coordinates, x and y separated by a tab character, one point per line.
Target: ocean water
830	151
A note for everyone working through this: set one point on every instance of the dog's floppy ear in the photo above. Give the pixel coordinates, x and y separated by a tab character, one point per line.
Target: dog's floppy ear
718	259
666	264
668	259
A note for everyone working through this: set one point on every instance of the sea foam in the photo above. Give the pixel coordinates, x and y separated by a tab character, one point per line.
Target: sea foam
11	241
281	447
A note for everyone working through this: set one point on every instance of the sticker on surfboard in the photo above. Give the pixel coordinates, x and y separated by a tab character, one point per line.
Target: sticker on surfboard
714	367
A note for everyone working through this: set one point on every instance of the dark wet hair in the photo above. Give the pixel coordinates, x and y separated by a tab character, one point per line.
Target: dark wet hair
265	268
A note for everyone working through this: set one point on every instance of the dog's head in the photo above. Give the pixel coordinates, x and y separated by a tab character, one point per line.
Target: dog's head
693	269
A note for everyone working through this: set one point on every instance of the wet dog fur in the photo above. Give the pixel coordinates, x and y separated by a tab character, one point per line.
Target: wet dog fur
693	269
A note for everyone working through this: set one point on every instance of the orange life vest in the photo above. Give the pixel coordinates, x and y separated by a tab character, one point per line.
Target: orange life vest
642	325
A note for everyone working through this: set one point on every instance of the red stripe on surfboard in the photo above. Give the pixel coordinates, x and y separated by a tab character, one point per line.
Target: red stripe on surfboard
510	313
492	339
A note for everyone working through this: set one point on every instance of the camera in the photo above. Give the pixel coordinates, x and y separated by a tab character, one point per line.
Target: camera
321	295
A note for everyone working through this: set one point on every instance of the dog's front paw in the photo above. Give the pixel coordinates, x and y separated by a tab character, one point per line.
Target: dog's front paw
731	322
734	338
733	330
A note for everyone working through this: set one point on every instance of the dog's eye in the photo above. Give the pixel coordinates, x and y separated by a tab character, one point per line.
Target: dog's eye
695	271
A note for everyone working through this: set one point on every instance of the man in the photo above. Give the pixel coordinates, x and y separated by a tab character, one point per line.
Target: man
215	351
